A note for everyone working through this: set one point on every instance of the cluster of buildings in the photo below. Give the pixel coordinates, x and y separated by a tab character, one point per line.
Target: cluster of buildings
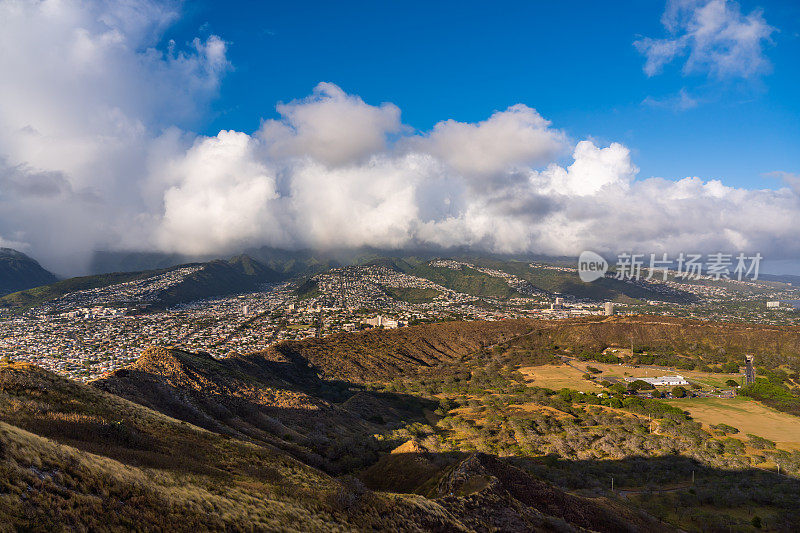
383	322
560	308
356	287
86	343
792	305
726	299
98	311
138	291
87	333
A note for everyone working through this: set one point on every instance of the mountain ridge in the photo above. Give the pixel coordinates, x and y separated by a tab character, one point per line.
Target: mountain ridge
302	385
214	278
18	272
484	277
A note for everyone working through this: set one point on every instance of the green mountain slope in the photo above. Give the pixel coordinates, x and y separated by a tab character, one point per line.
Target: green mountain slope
218	278
215	278
38	295
553	280
465	280
19	272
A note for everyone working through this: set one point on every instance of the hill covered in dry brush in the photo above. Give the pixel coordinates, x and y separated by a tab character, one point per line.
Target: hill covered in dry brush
429	428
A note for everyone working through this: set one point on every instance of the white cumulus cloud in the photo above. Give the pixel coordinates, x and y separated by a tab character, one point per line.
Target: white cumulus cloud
713	36
220	198
330	126
516	137
85	91
97	152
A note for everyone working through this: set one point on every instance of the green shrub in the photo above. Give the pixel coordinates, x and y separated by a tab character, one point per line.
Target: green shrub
774	395
725	428
760	443
640	384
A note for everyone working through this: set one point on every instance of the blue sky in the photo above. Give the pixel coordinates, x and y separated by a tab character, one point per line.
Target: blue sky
574	62
207	128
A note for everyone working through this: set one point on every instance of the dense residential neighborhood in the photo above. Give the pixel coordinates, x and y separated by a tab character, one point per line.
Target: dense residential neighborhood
87	333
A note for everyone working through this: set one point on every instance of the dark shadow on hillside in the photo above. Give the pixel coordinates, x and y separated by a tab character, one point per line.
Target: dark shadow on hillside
484	491
329	424
702	498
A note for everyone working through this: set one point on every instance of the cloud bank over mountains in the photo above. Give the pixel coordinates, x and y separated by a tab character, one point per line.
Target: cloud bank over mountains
97	152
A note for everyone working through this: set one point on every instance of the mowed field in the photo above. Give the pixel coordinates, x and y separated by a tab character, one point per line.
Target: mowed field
558	377
748	416
623	371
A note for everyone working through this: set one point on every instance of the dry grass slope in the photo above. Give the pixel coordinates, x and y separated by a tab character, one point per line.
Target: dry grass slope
102	463
180	440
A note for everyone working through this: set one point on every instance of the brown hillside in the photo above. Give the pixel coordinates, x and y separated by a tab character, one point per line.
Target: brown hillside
254	398
304	396
73	457
484	490
386	354
476	486
773	346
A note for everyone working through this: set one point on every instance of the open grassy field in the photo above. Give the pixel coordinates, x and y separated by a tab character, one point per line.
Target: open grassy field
748	416
557	377
623	371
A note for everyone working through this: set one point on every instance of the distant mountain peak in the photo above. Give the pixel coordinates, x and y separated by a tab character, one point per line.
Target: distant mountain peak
10	252
19	272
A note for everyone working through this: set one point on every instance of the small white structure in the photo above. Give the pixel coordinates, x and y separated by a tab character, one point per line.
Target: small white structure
608	308
663	381
773	305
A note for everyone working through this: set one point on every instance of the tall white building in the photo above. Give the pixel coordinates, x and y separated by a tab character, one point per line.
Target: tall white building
608	308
